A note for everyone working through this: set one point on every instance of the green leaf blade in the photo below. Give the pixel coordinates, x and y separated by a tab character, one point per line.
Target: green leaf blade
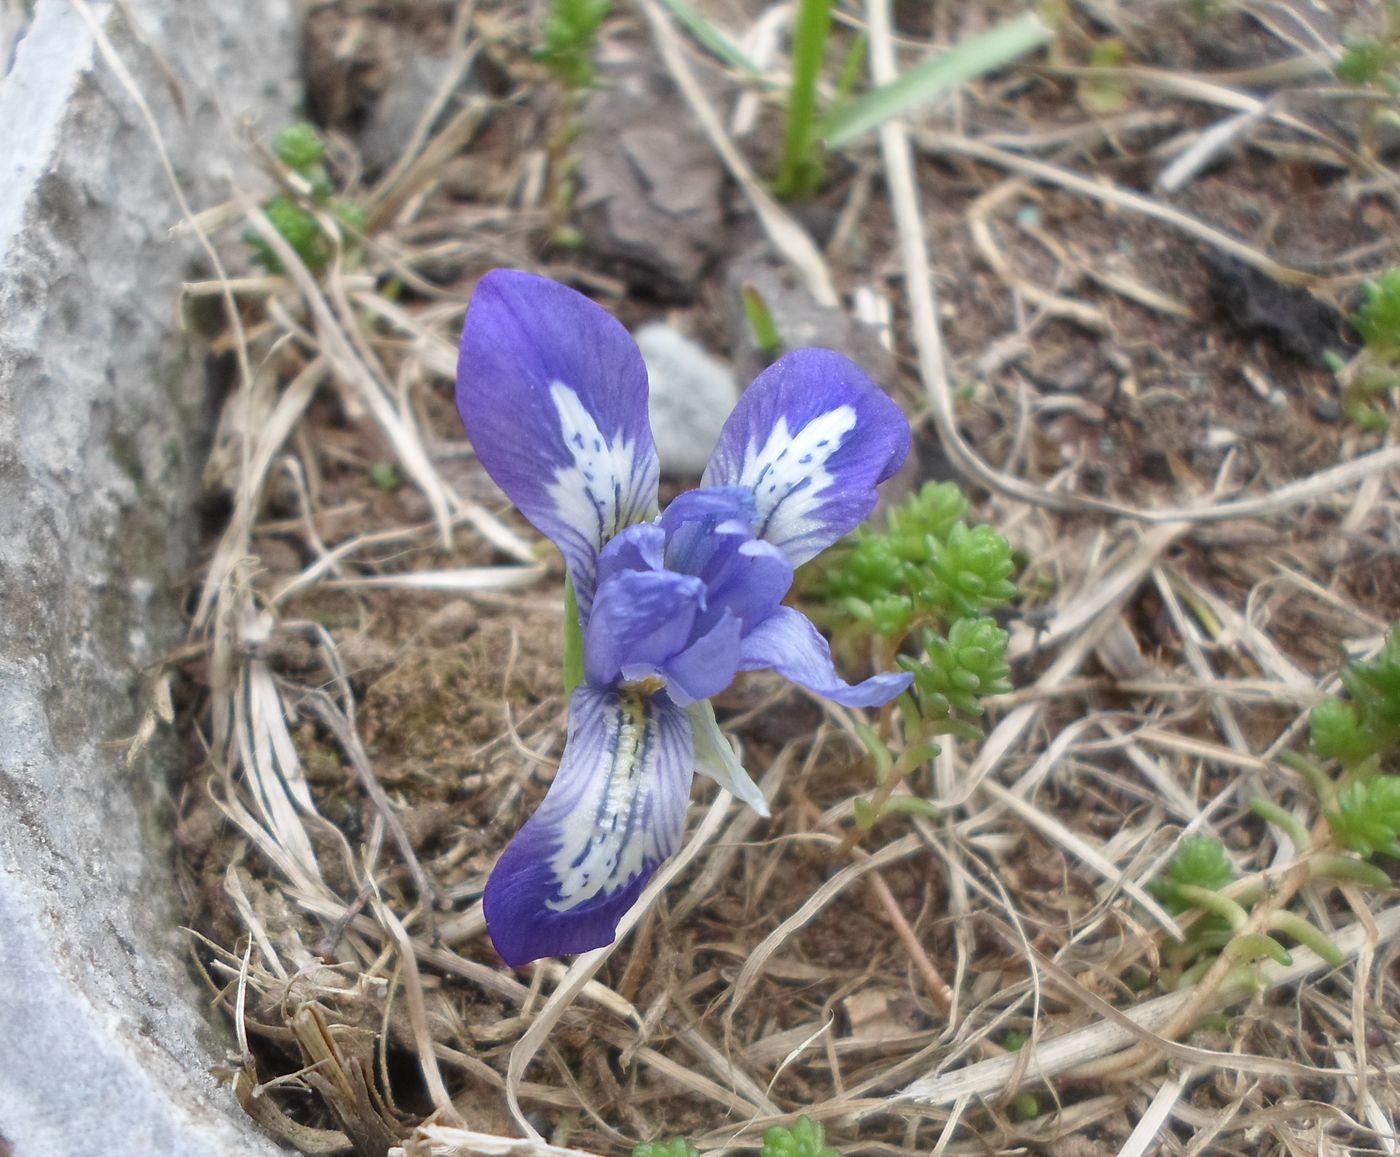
939	74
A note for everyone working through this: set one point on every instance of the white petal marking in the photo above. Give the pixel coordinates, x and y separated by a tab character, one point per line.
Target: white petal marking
788	475
616	824
599	493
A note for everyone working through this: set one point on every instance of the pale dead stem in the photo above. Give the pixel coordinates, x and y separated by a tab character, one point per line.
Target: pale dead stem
1116	1029
1098	608
264	791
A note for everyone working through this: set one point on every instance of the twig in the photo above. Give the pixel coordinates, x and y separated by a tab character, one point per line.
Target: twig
1063	1053
938	990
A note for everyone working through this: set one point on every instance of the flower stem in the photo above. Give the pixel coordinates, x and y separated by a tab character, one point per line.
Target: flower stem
800	172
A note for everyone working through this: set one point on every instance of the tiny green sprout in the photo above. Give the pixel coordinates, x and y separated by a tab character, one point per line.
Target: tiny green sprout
350	215
1336	732
1378	318
1367	63
675	1147
800	172
302	150
1375	690
1025	1107
761	324
300	147
384	476
959	671
1366	818
1199	863
567	42
804	1138
1014	1041
300	229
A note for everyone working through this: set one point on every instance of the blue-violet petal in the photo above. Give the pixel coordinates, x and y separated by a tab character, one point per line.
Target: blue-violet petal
810	439
788	643
553	394
615	811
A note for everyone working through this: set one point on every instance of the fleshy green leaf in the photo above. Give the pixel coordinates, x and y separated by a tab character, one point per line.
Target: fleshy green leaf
675	1147
1366	818
804	1138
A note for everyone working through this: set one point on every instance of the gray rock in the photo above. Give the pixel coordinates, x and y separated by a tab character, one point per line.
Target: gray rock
105	1049
403	104
691	396
799	319
650	201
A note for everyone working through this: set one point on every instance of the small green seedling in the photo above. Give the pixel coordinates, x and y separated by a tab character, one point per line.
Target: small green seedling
809	131
921	591
566	44
1375	372
804	1138
295	215
1354	747
675	1147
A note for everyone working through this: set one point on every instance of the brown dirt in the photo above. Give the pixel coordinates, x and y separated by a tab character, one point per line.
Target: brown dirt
458	700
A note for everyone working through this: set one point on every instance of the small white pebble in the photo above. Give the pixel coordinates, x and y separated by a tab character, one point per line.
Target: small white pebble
691	396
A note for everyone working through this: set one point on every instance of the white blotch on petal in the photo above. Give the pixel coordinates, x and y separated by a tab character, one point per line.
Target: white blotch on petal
599	493
617	824
788	475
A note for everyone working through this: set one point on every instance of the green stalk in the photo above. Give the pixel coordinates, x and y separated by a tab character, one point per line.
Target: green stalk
1286	822
1305	933
1254	946
1214	902
573	639
761	324
1345	868
800	172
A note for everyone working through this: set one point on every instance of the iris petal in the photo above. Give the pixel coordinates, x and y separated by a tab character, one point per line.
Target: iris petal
615	811
553	394
787	642
639	621
707	666
810	439
715	758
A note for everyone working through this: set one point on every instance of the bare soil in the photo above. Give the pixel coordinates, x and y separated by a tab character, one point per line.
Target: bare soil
360	752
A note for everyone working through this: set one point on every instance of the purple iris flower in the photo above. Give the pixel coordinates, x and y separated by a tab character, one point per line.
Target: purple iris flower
672	606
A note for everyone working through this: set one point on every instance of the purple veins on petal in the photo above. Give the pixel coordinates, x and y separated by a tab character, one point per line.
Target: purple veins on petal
614	813
553	394
810	440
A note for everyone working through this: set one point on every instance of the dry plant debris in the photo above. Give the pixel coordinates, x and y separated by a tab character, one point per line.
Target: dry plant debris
372	697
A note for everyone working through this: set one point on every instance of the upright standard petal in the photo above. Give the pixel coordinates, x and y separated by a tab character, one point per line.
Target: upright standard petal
615	811
788	643
553	394
810	439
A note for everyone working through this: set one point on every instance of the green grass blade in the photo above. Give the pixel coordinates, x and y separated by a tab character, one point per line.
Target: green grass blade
712	38
976	57
800	173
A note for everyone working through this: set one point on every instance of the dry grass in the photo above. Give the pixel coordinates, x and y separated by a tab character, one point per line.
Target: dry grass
379	701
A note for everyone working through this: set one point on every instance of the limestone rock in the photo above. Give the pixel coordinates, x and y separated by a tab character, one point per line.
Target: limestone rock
105	1047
